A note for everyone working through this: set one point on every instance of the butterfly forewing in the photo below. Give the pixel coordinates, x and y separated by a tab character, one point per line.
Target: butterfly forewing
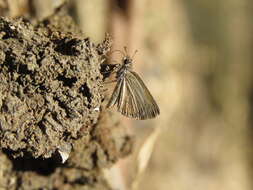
132	98
145	103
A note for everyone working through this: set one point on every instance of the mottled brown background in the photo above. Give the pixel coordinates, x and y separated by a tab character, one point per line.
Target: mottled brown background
195	57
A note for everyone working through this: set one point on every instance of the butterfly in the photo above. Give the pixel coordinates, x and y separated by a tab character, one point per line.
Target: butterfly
130	95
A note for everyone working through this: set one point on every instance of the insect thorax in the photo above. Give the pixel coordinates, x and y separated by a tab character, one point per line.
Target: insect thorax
125	67
127	62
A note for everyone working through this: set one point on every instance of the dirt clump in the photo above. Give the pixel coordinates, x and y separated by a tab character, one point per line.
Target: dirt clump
50	106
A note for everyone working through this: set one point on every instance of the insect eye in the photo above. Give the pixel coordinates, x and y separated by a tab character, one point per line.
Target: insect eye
126	61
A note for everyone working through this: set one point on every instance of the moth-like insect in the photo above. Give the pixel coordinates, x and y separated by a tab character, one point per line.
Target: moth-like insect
130	95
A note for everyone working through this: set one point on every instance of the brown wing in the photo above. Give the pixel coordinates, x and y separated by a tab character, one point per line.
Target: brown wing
117	93
134	99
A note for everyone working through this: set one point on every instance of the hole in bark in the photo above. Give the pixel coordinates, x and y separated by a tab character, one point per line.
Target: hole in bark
43	167
22	69
67	81
67	46
10	62
85	90
82	180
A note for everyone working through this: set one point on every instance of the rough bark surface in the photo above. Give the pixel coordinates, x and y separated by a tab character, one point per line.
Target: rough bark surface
50	106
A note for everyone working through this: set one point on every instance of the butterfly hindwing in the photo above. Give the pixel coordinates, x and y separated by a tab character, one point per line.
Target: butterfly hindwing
135	99
115	95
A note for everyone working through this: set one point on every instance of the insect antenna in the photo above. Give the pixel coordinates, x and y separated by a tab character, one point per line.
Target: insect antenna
121	52
135	52
126	52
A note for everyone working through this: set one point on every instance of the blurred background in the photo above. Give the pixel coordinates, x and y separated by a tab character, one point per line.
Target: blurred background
196	59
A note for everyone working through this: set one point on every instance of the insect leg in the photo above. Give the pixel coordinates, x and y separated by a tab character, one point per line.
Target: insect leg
108	82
